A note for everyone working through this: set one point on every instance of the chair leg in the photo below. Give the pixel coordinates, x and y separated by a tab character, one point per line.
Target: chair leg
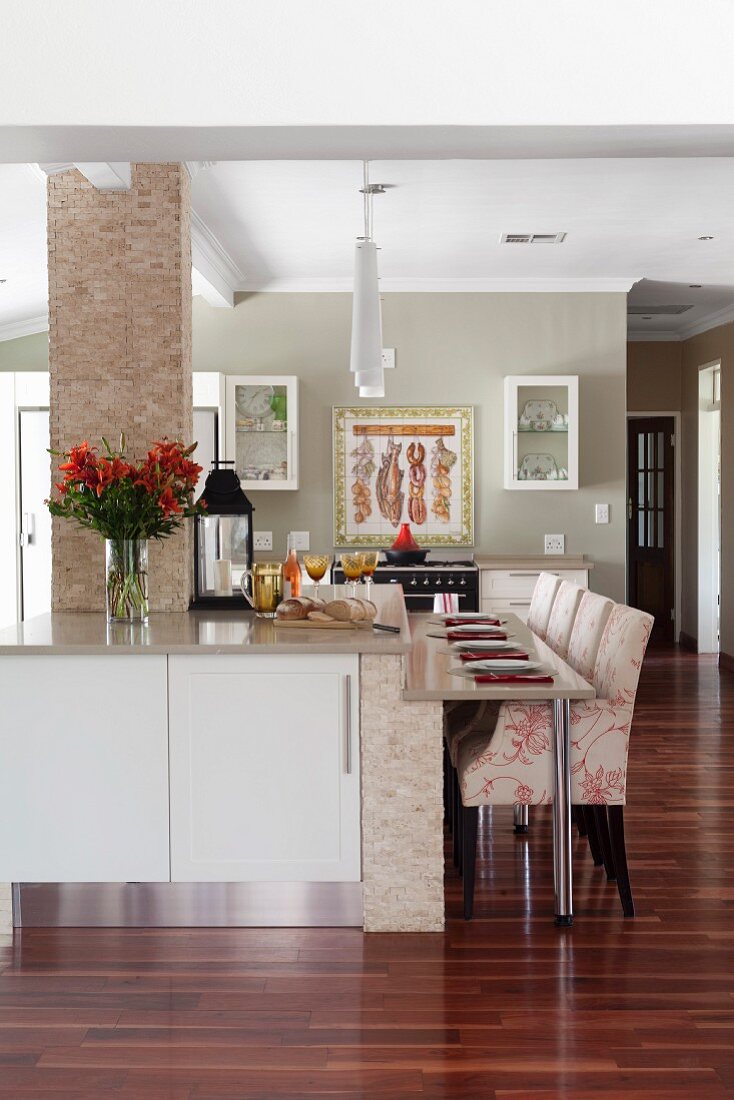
602	829
587	813
521	817
578	816
470	818
619	853
447	787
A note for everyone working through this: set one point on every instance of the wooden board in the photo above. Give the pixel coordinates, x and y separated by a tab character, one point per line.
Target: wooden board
315	625
404	429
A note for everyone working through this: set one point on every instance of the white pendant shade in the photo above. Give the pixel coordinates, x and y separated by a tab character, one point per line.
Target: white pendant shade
366	353
372	391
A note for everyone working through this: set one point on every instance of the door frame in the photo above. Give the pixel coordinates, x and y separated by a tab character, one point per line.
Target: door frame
708	519
677	518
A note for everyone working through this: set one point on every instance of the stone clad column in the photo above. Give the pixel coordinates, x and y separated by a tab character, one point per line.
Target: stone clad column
119	273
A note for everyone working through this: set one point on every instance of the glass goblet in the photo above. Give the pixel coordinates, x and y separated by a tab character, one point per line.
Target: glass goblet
370	561
352	566
316	566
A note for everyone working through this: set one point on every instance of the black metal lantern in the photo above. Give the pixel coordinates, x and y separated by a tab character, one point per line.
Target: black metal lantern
222	541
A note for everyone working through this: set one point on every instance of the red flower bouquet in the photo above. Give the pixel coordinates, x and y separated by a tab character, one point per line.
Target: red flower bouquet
127	504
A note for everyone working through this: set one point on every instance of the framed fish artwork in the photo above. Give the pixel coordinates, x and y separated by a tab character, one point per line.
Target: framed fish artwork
404	465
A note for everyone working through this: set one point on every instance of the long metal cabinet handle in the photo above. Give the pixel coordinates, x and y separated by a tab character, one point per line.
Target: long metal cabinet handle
348	722
519	603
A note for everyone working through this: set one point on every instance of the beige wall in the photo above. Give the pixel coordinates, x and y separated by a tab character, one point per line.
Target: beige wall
654	376
27	353
455	348
450	347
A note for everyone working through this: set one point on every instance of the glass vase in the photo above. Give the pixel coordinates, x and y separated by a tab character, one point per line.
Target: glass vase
126	580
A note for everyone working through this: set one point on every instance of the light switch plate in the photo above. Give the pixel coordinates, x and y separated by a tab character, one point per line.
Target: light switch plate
601	513
262	540
555	544
301	540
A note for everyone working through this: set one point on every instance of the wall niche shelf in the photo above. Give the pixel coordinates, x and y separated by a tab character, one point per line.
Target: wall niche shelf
542	432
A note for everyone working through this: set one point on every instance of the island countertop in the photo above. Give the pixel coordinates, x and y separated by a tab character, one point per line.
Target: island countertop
201	632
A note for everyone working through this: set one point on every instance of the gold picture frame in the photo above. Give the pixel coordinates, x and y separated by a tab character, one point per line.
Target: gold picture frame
376	485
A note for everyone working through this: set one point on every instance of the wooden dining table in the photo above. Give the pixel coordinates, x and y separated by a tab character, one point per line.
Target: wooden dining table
428	677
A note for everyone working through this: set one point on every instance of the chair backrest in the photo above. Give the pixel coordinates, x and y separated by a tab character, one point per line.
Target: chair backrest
544	594
562	617
619	660
588	627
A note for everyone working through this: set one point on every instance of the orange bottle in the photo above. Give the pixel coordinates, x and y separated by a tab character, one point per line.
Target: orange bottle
291	572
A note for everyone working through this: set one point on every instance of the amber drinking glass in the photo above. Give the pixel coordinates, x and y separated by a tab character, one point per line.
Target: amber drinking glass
316	567
352	566
370	560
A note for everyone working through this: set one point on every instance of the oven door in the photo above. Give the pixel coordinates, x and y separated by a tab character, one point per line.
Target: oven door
423	601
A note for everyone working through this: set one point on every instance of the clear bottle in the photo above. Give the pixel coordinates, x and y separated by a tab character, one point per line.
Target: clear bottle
291	572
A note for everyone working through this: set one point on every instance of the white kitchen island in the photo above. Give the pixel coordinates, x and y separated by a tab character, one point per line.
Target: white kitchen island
216	768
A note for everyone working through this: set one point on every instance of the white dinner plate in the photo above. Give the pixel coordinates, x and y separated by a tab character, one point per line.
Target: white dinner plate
485	643
469	616
474	628
498	665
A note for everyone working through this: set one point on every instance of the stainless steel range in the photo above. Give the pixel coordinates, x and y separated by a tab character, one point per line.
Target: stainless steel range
422	582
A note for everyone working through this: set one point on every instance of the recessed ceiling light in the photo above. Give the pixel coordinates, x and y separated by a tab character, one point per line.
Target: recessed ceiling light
705	238
695	286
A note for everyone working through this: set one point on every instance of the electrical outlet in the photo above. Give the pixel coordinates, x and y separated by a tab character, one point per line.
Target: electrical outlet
601	512
555	544
388	358
263	540
300	540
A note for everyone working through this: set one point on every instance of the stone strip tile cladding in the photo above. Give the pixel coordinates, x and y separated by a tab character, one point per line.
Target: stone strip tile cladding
402	814
119	273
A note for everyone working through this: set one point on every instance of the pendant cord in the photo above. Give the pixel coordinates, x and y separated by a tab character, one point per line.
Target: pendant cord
367	201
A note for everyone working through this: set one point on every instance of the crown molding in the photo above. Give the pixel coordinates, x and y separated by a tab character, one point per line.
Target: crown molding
656	335
217	276
345	285
719	317
104	175
14	330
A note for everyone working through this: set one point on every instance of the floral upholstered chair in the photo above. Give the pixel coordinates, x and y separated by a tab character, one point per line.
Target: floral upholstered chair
514	763
541	603
591	619
562	617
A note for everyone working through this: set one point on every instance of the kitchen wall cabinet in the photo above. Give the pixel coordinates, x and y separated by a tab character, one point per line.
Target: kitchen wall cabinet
84	785
542	432
511	589
262	430
264	758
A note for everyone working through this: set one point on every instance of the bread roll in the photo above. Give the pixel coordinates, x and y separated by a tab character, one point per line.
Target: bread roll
319	617
370	609
292	610
339	610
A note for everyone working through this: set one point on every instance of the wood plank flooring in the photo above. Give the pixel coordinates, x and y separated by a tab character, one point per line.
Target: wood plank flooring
505	1007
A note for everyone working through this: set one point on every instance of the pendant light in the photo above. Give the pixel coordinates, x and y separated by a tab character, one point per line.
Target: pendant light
366	351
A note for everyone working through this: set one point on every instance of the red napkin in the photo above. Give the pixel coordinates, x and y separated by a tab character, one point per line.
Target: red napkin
474	636
498	655
472	622
511	678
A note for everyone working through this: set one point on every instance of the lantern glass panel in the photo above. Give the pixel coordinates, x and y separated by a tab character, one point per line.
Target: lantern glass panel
222	549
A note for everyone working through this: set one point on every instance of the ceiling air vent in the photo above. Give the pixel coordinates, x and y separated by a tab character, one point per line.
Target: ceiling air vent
657	311
532	238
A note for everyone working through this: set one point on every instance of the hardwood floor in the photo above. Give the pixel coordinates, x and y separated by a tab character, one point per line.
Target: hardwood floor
505	1007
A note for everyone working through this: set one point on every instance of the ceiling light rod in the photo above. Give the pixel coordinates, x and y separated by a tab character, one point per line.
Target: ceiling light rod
368	191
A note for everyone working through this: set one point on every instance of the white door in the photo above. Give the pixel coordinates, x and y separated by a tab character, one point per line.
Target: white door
35	521
264	758
84	769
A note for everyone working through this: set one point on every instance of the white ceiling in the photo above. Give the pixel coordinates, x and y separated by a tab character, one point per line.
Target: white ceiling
292	224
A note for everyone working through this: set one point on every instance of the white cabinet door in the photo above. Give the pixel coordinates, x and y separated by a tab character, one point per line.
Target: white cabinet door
35	518
83	769
262	430
264	758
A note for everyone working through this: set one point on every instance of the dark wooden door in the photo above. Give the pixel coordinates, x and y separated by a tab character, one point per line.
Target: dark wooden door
650	520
